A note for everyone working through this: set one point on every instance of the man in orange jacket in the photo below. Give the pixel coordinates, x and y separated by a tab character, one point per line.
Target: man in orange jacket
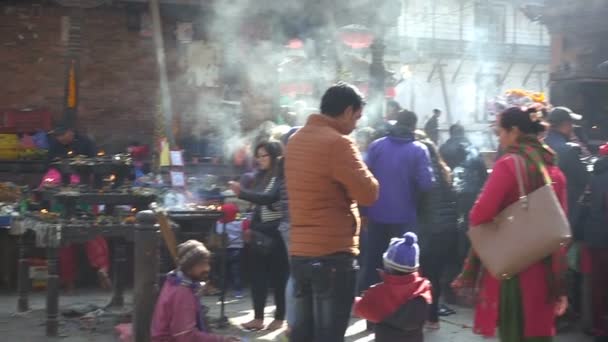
326	180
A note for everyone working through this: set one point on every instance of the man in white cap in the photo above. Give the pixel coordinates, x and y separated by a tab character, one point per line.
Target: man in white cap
560	139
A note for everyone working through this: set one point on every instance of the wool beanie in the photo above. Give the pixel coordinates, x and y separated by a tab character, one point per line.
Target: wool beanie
402	254
604	150
190	253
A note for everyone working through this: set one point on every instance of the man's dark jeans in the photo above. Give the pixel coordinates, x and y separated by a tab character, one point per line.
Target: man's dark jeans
324	291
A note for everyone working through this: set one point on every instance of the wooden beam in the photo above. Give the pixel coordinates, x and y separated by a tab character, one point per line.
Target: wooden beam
506	74
444	91
430	78
529	74
165	94
457	72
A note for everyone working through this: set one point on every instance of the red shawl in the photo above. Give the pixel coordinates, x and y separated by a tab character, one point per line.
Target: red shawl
384	299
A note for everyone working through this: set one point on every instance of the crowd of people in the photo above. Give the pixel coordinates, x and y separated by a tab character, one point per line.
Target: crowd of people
380	223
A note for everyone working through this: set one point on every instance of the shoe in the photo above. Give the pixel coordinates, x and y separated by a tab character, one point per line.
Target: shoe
238	294
445	311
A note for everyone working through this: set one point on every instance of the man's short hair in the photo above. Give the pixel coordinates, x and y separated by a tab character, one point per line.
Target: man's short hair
339	97
436	111
407	118
457	130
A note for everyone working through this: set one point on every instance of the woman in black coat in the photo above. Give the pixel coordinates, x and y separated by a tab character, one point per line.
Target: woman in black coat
269	261
437	226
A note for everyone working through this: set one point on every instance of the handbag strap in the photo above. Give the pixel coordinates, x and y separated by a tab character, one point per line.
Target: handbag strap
518	175
521	163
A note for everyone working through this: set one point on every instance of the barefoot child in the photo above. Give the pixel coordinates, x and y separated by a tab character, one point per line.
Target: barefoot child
399	305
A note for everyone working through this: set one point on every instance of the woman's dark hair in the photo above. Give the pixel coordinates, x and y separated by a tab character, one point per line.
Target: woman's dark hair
436	160
339	97
275	151
526	120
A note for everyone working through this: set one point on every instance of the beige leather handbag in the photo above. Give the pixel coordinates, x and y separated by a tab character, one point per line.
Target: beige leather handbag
524	233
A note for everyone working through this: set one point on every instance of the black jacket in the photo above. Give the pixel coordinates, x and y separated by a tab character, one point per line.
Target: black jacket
596	226
406	324
260	197
437	210
81	145
577	176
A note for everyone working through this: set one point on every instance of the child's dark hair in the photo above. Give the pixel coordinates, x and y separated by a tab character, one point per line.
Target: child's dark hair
526	120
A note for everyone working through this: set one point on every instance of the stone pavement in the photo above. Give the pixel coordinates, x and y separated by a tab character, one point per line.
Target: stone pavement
30	327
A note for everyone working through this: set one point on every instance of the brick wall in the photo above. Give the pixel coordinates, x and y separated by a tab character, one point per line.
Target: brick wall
118	93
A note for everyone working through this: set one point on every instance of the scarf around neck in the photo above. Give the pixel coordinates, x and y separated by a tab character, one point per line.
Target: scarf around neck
537	157
178	278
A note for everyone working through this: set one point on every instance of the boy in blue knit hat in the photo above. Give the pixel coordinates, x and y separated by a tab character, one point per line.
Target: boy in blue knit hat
399	305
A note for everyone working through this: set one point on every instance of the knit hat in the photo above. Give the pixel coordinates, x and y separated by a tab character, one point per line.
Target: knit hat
402	254
230	211
190	253
604	150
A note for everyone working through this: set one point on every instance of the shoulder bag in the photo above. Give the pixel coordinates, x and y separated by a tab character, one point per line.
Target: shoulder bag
524	233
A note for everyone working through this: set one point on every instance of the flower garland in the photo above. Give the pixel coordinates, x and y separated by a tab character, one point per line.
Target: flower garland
521	98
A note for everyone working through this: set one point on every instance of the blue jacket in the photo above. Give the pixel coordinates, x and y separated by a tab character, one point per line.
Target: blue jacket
402	166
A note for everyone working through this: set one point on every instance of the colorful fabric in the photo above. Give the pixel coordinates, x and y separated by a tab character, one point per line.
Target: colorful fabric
541	283
178	278
178	315
511	314
97	254
384	299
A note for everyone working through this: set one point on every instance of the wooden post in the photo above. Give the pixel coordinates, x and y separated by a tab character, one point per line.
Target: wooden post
23	280
444	90
145	280
165	94
52	283
120	261
377	75
71	97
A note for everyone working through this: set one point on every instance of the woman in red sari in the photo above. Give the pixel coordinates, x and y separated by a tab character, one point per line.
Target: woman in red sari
525	306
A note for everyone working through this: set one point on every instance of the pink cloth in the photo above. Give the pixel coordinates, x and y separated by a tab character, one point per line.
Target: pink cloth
174	317
499	192
125	332
97	254
53	177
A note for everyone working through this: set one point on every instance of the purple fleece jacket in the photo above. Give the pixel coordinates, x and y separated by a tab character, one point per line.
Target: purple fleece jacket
402	166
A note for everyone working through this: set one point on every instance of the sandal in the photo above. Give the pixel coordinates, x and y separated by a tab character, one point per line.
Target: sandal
275	325
253	325
432	325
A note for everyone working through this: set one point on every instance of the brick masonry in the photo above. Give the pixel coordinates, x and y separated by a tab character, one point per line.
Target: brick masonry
118	85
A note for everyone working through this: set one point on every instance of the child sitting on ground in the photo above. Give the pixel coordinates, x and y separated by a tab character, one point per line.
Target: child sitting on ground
399	305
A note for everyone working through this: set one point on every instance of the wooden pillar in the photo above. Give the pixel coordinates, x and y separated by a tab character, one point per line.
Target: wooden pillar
145	288
165	94
377	75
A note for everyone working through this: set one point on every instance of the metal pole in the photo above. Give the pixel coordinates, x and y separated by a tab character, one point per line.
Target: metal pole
165	95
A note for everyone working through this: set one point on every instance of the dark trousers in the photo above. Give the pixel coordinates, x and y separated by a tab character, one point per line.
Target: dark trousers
436	254
234	268
599	290
324	294
269	270
378	236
